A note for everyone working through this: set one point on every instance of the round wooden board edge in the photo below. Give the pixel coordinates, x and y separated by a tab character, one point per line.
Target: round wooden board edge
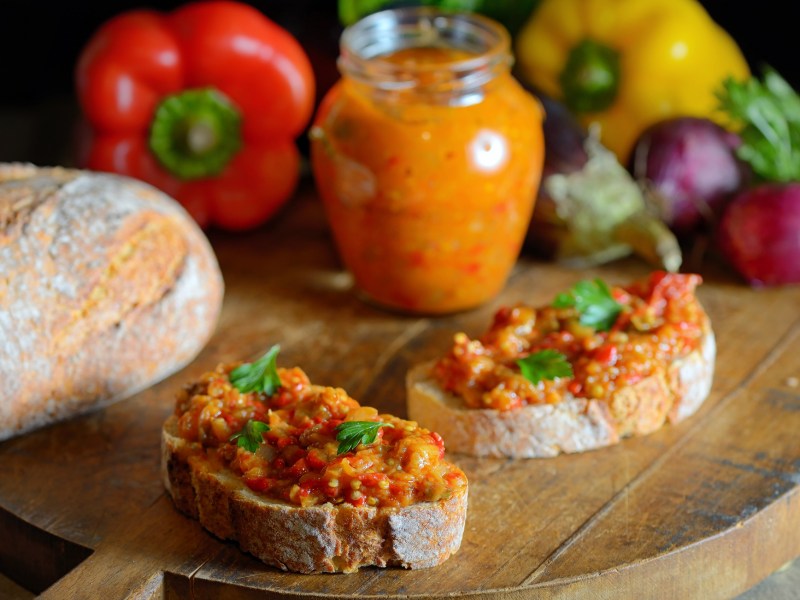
757	533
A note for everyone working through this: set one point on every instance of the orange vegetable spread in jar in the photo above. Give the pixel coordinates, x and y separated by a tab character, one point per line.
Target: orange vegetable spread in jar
649	324
297	456
427	155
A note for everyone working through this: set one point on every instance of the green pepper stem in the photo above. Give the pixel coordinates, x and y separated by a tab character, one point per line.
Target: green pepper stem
195	133
590	78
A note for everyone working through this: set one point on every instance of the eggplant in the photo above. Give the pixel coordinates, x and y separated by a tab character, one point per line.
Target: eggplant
589	209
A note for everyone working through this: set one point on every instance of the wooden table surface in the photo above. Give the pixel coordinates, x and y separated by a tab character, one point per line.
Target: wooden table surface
704	509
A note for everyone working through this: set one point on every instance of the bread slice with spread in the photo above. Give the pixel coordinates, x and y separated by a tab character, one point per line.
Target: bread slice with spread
597	365
305	478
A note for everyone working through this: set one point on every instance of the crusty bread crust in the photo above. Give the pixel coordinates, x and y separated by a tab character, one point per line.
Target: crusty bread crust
325	538
106	286
572	425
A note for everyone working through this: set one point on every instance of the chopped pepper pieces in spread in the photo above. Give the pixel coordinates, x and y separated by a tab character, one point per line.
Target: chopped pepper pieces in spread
298	460
660	320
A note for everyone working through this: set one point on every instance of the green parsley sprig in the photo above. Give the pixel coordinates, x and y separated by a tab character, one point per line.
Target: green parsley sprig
352	433
594	303
545	364
768	113
251	436
259	376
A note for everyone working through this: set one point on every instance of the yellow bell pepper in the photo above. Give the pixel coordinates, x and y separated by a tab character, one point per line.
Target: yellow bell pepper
626	64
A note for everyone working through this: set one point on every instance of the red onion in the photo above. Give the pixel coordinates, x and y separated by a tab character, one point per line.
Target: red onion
691	166
760	234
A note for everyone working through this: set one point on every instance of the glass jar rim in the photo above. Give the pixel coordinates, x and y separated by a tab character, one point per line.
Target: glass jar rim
364	43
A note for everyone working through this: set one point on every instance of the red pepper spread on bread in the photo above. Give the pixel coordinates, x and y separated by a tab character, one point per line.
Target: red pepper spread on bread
308	445
610	337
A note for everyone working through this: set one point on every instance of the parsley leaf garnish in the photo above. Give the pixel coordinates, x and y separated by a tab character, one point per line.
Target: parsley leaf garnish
545	364
260	376
768	114
594	303
251	435
352	433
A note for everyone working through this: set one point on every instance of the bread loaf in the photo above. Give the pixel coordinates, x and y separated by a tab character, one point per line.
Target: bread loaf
106	287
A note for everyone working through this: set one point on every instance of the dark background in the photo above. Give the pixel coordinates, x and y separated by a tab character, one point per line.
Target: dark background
40	42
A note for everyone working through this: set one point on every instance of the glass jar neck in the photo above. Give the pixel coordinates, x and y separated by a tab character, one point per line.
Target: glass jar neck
480	52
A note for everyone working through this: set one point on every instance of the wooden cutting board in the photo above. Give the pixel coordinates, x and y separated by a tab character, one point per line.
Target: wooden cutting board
703	509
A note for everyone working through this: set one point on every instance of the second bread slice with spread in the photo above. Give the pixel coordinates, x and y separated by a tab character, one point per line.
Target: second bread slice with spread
640	356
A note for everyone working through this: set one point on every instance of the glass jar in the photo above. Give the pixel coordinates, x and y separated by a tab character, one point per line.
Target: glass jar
427	155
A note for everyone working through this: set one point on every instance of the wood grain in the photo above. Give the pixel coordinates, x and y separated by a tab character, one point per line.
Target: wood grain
706	508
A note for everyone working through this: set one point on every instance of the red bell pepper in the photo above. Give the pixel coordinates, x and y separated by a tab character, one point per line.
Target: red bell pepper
204	103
